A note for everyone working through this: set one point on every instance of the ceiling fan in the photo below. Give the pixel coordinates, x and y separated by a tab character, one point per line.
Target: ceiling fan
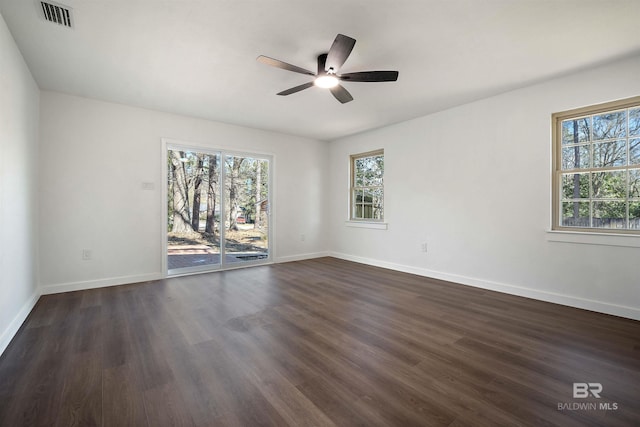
328	66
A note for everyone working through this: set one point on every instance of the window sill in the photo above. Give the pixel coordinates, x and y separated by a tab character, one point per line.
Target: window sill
591	238
366	224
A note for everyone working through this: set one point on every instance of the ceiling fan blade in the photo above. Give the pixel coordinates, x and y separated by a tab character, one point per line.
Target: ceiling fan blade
283	65
341	94
296	89
339	52
370	76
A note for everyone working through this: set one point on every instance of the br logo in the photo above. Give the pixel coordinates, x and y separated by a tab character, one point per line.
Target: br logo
583	390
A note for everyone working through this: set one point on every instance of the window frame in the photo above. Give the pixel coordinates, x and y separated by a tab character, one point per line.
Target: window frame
353	188
557	171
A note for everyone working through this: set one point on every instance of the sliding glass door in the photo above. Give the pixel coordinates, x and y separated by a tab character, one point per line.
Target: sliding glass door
218	211
246	198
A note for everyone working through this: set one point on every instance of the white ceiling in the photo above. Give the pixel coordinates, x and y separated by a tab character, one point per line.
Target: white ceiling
197	58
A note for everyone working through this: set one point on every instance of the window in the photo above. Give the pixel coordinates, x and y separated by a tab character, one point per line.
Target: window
596	157
367	189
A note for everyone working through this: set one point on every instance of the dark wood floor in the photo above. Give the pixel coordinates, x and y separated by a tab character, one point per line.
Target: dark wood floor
318	342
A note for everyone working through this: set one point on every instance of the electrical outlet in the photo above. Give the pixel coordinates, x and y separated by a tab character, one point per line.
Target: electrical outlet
424	247
86	254
302	237
148	186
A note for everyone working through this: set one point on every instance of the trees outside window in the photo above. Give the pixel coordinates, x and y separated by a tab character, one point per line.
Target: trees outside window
217	208
367	186
596	183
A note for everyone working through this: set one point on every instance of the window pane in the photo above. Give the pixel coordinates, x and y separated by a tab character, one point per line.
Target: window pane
377	213
609	185
368	203
634	151
634	183
634	215
575	131
377	205
367	211
358	179
634	122
575	185
609	215
575	214
610	154
368	177
575	157
376	193
372	179
368	195
610	125
371	169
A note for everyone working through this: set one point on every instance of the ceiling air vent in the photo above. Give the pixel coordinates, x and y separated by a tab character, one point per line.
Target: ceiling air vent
57	13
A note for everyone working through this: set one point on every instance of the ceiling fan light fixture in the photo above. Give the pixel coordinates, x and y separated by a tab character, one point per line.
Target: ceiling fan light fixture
326	81
329	65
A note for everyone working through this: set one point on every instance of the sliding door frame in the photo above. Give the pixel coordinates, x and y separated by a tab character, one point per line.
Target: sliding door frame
223	152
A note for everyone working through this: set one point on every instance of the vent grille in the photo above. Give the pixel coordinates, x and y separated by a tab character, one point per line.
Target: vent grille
57	13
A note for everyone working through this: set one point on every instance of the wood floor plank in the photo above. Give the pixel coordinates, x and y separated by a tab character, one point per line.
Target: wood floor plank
82	393
316	342
122	402
165	407
286	399
358	367
240	396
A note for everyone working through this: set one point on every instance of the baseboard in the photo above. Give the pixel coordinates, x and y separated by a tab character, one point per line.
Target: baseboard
301	257
100	283
12	329
568	300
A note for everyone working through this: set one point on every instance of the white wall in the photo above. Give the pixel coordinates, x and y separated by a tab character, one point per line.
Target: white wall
19	97
473	182
95	157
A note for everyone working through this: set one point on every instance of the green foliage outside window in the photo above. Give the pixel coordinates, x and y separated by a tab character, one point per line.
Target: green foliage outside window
600	170
367	187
